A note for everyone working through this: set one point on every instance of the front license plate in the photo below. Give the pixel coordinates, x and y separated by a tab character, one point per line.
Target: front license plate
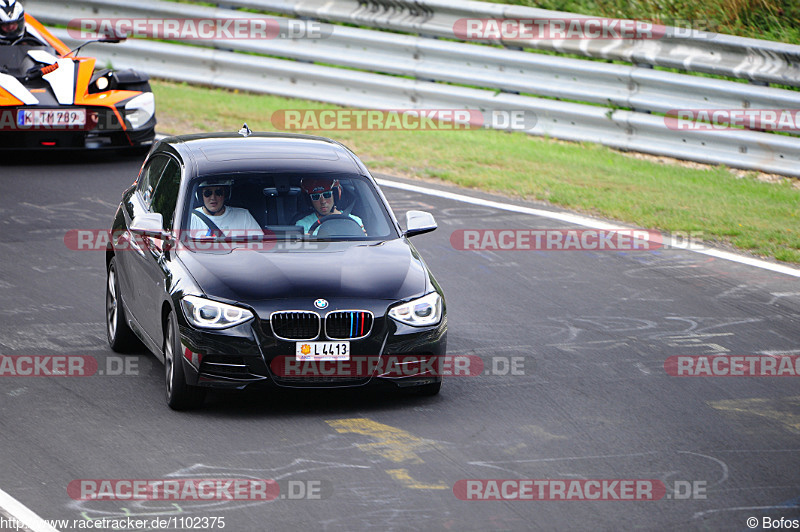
51	117
322	351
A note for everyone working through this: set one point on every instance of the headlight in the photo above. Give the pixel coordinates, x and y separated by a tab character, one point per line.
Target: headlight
102	81
140	110
207	314
426	310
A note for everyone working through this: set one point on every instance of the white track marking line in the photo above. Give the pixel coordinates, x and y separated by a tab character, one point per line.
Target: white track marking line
21	513
585	221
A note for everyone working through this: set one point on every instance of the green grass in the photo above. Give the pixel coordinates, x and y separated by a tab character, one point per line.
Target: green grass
762	218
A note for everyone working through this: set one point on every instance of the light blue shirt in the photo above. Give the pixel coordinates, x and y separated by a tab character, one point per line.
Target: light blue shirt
311	219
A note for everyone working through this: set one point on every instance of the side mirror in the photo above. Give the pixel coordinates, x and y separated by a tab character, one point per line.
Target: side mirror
419	222
104	39
113	38
149	224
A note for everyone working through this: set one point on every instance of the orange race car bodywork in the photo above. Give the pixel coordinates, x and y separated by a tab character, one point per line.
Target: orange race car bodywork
50	98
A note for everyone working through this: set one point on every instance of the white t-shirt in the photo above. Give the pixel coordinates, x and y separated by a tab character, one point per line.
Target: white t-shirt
234	221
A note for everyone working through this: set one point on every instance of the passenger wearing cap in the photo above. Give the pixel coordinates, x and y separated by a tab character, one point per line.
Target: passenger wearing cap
323	198
233	221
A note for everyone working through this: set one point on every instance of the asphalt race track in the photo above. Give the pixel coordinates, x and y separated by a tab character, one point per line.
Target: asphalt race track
589	398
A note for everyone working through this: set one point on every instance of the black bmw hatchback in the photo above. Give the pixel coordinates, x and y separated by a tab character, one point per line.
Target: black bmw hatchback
270	259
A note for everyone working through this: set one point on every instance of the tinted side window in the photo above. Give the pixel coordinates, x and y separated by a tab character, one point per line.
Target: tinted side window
165	195
149	178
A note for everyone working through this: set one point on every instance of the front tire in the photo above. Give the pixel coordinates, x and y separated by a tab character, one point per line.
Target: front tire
120	336
180	396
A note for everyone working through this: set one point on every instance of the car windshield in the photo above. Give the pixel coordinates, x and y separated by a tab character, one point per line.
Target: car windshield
15	61
243	207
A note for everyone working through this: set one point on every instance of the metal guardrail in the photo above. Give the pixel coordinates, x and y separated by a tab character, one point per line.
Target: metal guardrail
696	51
453	62
623	130
432	61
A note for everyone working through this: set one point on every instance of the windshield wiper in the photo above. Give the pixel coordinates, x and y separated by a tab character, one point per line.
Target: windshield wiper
223	238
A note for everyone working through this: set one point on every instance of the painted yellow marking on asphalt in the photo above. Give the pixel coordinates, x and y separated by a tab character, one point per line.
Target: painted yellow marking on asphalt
391	443
402	476
783	410
515	449
540	433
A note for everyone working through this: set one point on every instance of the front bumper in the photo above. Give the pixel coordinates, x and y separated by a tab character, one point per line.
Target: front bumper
104	130
249	355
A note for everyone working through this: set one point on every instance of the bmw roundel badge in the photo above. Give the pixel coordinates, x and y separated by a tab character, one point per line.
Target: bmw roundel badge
321	303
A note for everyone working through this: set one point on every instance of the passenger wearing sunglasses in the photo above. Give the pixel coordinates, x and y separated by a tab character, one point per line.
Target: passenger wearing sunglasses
233	221
323	193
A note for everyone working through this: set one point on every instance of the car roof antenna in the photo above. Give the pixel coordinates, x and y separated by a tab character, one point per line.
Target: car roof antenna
245	131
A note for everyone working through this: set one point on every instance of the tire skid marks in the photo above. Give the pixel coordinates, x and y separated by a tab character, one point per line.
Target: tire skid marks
36	339
662	465
83	211
649	342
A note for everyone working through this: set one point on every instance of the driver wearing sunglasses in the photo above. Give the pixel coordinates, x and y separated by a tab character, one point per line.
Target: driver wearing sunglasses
233	221
323	193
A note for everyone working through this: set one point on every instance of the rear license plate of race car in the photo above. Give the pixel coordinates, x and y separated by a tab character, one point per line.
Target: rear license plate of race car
322	351
51	117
